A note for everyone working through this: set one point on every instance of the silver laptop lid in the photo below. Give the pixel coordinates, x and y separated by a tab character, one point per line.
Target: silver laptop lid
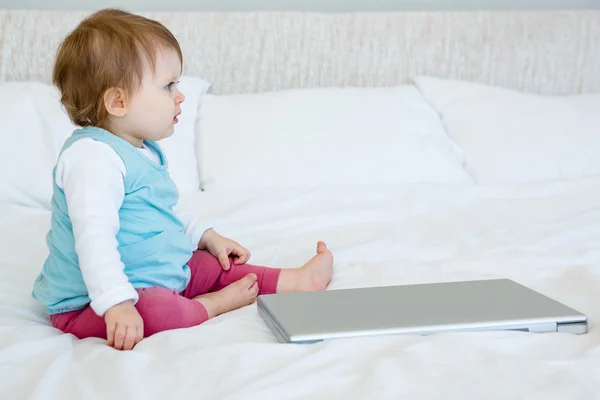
419	309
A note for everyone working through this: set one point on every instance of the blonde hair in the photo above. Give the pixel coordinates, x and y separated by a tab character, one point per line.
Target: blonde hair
106	50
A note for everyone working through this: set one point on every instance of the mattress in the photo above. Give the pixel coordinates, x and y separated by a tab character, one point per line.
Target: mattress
546	236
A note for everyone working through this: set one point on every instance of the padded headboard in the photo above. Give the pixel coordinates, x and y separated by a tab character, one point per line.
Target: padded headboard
551	52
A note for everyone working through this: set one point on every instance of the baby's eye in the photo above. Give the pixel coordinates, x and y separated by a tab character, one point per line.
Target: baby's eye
170	85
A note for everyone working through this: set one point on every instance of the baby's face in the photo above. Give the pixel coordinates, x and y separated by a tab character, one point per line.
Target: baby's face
154	107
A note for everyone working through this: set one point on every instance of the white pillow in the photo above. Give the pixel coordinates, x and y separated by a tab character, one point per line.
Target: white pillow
34	126
509	136
324	136
180	148
32	129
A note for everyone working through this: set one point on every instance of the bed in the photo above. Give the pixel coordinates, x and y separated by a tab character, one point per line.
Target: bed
459	203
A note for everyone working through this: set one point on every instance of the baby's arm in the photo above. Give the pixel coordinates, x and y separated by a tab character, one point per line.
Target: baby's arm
91	175
92	180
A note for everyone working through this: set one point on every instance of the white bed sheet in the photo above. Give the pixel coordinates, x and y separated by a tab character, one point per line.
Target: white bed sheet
546	236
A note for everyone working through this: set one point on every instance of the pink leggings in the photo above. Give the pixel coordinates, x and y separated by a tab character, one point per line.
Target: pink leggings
163	309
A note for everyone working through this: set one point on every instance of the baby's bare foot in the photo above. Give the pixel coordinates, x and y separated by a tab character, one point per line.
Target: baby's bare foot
239	294
313	276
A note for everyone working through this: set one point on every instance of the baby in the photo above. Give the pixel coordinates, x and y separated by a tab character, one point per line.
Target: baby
122	264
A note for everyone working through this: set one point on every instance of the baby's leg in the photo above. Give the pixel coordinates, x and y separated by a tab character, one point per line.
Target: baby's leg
208	275
80	323
161	309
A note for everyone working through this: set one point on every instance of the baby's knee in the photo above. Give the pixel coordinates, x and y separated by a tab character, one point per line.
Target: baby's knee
203	259
163	309
156	301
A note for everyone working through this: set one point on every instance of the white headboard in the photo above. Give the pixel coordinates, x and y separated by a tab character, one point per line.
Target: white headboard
543	51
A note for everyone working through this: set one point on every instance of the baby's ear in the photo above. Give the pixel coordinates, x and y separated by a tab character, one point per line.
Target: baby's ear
115	102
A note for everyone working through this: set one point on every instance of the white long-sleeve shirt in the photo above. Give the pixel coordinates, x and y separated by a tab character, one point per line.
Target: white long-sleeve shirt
91	175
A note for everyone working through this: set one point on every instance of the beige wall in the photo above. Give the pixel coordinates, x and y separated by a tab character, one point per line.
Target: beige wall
300	5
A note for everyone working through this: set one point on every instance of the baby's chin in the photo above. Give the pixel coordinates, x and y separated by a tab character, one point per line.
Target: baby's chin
167	134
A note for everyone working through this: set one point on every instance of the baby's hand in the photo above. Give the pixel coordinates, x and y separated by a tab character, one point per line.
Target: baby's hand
124	326
222	248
